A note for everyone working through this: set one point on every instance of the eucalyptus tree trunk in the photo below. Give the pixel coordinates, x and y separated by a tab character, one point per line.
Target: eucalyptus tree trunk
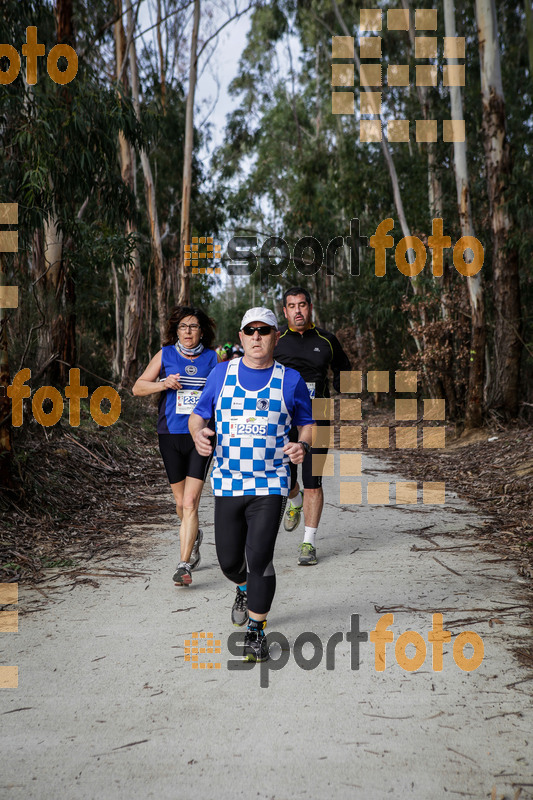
434	184
162	66
503	394
55	290
185	228
149	193
529	33
6	450
132	269
474	400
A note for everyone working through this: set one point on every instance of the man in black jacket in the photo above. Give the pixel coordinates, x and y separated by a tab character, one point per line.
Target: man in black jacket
310	351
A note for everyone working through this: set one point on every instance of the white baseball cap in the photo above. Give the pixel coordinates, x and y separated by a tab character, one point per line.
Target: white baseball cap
260	315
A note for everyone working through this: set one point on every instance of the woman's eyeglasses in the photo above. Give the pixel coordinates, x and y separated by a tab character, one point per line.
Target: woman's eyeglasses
262	330
192	327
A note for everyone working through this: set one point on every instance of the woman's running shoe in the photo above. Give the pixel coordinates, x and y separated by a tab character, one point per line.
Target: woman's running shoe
239	611
182	576
194	560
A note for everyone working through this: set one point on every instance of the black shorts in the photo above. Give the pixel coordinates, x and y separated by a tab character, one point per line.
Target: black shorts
181	458
309	480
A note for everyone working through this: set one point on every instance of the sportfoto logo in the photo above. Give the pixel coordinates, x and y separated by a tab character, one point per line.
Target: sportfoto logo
32	50
243	256
380	637
371	78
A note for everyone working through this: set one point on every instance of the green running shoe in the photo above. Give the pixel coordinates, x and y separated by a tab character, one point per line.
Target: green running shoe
307	557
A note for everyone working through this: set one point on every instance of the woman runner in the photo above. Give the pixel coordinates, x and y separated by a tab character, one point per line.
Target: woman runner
179	371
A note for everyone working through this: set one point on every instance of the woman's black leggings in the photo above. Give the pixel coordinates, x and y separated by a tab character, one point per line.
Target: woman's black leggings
246	528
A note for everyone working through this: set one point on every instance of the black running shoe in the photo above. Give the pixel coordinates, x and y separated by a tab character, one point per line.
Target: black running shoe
239	611
255	646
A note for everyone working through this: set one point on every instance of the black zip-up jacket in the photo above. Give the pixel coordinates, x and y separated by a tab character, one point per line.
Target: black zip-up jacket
311	353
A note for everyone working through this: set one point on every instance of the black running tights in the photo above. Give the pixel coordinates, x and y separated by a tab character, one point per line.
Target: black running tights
246	528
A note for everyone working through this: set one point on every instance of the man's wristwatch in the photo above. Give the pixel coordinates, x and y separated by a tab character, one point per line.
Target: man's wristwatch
307	447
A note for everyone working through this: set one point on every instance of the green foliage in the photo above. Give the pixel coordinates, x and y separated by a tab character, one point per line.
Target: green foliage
295	169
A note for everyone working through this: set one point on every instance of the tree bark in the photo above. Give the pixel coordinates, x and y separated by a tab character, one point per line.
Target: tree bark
162	70
529	33
185	228
132	269
117	361
474	398
151	207
6	449
506	288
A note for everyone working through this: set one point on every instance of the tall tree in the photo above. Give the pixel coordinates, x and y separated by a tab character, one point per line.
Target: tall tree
474	401
132	267
6	452
149	193
185	227
506	287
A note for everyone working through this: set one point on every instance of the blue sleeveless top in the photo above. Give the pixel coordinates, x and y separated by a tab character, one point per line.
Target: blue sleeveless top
175	406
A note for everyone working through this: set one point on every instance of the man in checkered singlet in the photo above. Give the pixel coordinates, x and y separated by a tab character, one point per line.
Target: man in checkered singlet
255	402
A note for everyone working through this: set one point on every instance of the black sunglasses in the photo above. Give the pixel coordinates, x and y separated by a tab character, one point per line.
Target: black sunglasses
262	330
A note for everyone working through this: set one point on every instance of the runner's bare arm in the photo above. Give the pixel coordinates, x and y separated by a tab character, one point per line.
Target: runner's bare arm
148	382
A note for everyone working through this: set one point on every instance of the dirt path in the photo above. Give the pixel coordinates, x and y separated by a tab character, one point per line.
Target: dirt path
107	706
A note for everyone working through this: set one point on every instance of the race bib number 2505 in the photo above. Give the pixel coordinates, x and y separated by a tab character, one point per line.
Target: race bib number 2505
240	428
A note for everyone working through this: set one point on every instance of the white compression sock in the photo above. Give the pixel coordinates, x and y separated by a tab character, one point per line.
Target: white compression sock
310	535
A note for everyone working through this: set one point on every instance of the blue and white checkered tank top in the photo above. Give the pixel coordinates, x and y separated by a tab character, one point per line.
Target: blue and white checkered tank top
252	429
